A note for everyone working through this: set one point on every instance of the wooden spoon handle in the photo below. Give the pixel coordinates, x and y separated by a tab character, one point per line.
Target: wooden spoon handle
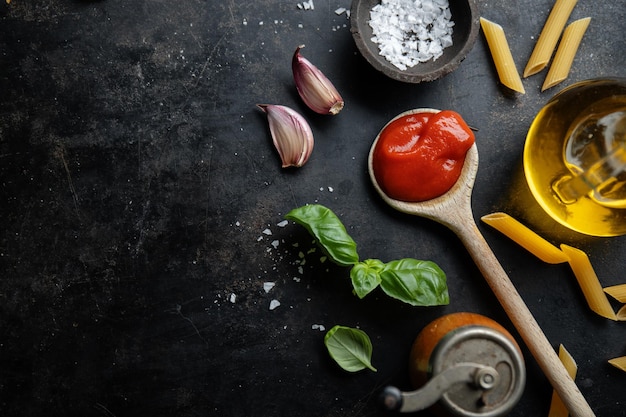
523	320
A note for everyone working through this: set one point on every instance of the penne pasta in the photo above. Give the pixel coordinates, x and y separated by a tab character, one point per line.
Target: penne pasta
617	291
501	54
577	259
549	36
588	281
557	408
525	237
619	363
564	57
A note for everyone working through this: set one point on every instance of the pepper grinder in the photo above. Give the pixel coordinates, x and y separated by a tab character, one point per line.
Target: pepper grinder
462	364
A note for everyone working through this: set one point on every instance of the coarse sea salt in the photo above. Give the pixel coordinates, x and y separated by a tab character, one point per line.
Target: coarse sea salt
306	5
267	286
408	32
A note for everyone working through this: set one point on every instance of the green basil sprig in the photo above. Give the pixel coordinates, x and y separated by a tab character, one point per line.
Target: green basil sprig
329	232
366	276
350	348
419	283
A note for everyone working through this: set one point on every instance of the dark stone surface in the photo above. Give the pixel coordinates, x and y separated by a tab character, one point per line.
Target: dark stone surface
137	178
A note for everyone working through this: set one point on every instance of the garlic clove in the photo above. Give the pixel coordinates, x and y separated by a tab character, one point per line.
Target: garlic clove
291	134
314	88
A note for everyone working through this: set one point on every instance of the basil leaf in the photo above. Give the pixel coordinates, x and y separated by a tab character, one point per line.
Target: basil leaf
366	276
350	348
419	283
329	232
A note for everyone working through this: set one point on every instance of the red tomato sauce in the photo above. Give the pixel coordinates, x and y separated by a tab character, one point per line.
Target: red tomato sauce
420	156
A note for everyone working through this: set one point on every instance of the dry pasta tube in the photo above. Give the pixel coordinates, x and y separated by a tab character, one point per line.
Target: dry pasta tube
617	291
621	314
525	237
557	408
588	281
501	54
562	63
549	36
619	363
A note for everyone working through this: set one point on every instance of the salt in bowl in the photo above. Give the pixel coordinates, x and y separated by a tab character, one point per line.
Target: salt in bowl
465	31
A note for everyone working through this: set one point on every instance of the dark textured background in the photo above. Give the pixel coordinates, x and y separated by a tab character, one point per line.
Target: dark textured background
137	178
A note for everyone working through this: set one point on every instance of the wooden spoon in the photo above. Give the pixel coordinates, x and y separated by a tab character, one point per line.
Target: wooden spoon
453	209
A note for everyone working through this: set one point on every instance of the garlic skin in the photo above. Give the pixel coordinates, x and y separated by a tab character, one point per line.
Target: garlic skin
314	88
291	134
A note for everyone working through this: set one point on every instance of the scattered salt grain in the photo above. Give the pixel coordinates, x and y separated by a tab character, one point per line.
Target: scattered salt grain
411	31
319	327
275	244
267	232
340	11
283	223
306	5
267	286
232	298
274	304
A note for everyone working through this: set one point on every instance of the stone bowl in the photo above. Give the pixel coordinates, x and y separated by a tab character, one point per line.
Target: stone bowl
465	31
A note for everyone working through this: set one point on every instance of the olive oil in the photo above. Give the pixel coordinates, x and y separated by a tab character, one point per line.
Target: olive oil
575	157
596	149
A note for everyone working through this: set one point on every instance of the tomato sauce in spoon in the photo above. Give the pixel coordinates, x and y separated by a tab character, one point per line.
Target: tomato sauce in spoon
420	156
